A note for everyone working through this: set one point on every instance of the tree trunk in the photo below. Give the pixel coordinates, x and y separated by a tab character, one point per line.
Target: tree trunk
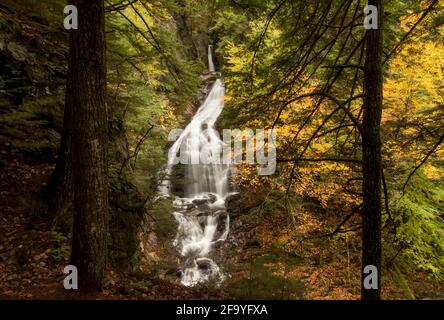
60	187
184	32
371	147
87	85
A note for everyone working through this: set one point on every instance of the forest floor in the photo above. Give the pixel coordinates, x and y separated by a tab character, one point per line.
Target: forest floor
32	256
278	267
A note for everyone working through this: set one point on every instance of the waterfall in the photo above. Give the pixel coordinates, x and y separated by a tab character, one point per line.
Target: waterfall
203	220
210	59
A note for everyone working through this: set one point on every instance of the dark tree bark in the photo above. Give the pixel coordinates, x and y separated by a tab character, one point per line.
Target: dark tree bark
60	187
371	158
88	116
183	29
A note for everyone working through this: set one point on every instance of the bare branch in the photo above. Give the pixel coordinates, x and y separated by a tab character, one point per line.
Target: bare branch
137	149
119	6
319	160
386	202
333	130
153	42
264	32
356	66
423	160
338	228
341	105
425	13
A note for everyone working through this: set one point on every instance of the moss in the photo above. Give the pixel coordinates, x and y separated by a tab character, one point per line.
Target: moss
165	224
403	283
266	281
125	217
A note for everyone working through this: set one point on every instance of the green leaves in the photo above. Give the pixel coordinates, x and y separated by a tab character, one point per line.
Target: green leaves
419	215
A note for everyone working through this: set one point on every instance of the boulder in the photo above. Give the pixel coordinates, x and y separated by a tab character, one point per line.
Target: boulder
233	203
204	264
199	202
212	198
197	212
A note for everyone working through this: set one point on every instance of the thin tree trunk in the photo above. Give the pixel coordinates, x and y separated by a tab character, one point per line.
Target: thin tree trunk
371	158
184	32
60	187
87	84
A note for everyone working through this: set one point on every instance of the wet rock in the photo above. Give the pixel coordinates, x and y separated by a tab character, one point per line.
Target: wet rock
190	206
203	264
212	198
222	225
220	212
174	271
199	202
233	203
202	221
197	212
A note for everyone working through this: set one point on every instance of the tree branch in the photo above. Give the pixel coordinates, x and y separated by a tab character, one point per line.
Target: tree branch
330	97
386	202
319	160
423	160
425	13
137	149
264	32
119	6
356	66
338	228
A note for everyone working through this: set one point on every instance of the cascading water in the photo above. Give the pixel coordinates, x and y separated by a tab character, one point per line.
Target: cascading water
202	217
210	59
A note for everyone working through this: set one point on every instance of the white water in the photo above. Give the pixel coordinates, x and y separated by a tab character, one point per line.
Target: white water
201	215
210	59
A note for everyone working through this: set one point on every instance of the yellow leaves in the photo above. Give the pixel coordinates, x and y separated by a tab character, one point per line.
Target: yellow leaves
416	76
413	90
227	98
168	119
415	79
238	57
432	172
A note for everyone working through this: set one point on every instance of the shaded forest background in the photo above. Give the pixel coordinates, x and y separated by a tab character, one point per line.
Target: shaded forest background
273	56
